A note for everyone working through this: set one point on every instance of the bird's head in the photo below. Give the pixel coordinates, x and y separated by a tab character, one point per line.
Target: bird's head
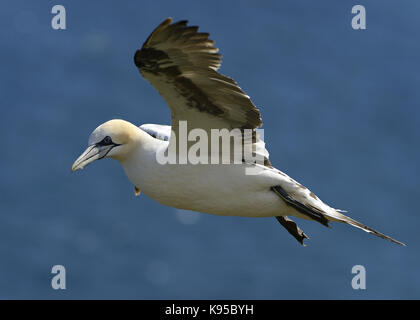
113	139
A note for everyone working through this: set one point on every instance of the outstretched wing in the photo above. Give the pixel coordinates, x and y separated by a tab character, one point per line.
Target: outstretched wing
308	204
182	63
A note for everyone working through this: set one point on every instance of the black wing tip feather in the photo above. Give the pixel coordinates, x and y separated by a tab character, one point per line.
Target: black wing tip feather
162	25
148	56
309	211
198	53
181	24
167	21
372	231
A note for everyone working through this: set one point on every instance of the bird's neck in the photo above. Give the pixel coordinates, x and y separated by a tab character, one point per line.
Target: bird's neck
141	166
138	140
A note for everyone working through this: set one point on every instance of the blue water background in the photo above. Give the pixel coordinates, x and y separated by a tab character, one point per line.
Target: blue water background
341	115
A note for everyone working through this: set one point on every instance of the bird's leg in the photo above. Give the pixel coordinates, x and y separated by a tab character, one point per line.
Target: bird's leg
292	228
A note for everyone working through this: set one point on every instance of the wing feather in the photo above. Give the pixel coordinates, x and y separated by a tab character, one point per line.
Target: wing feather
182	63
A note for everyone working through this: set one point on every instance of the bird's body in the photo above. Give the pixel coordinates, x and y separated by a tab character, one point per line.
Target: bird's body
222	189
182	65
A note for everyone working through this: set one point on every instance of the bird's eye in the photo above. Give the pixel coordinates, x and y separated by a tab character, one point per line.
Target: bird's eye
107	140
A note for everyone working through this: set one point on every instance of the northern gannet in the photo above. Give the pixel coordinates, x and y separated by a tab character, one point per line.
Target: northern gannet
182	63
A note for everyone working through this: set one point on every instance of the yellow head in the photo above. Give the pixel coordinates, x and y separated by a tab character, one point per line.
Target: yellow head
113	139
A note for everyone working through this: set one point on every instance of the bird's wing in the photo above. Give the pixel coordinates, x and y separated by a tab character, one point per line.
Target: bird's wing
308	204
182	63
158	131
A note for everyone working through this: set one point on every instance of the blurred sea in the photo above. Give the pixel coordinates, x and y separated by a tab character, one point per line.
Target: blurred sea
341	115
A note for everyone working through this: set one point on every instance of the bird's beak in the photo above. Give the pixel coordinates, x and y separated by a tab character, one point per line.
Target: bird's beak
92	153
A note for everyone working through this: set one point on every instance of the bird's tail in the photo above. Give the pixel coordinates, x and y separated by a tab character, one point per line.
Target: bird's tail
342	218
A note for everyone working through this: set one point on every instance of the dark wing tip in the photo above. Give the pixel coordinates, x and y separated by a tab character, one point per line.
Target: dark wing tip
308	210
180	23
161	26
167	21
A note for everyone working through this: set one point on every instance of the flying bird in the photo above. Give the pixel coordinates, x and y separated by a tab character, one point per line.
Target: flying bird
181	64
